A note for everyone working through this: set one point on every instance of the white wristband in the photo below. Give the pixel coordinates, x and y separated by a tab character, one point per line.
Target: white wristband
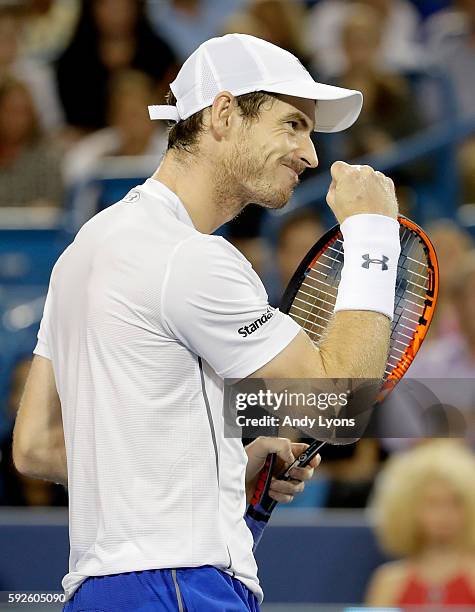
371	252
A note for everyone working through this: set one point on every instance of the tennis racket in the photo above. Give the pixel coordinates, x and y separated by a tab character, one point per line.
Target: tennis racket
310	300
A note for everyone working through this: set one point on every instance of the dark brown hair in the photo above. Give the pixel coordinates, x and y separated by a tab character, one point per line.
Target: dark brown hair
184	135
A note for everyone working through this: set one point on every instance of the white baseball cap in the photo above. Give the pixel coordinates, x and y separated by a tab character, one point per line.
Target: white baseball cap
240	64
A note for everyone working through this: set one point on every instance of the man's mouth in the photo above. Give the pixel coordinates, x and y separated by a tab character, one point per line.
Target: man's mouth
293	171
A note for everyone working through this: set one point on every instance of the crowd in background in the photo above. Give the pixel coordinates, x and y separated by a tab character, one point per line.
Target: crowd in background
76	77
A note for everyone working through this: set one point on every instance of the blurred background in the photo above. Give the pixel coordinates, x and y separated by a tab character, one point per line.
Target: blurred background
384	522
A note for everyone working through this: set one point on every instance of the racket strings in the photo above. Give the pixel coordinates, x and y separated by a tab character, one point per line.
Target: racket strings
314	303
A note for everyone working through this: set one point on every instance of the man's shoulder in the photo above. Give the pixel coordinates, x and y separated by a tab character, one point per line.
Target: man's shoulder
211	251
210	264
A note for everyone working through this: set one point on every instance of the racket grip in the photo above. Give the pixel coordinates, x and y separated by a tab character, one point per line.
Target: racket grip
261	506
302	461
260	496
256	516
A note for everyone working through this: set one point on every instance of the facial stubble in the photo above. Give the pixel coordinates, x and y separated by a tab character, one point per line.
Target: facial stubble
242	178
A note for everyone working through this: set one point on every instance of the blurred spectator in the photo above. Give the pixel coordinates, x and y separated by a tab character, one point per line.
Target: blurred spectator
446	367
451	243
428	7
284	22
350	472
467	169
16	489
389	112
453	355
447	22
296	235
244	23
451	42
48	27
424	512
131	133
38	76
457	56
453	51
399	45
111	35
30	172
185	24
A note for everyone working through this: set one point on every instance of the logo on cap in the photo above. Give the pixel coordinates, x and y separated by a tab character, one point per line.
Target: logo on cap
132	196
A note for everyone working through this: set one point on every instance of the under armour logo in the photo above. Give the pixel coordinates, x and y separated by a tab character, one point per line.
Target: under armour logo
368	260
132	196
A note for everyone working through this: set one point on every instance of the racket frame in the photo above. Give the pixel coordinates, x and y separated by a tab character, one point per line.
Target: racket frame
261	504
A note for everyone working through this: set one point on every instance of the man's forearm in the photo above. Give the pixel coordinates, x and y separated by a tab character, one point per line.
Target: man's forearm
356	345
44	462
52	467
55	468
38	436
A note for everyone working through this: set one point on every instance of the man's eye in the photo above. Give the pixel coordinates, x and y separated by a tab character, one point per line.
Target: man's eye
293	124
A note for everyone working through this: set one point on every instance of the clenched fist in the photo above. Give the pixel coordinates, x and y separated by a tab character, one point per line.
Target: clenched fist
360	189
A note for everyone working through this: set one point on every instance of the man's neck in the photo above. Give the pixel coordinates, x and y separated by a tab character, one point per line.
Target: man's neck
205	198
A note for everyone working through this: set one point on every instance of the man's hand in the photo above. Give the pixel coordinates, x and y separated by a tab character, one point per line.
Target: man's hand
287	452
358	190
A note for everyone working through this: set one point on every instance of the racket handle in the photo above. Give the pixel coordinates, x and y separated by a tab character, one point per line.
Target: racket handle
261	505
256	516
302	461
263	482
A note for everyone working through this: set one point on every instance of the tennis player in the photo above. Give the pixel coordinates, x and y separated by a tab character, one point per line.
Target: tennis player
141	326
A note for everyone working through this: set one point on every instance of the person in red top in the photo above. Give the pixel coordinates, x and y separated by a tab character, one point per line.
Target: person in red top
424	513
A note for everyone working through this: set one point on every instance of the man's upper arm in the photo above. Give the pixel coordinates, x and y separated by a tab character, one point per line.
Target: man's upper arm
299	359
216	305
39	423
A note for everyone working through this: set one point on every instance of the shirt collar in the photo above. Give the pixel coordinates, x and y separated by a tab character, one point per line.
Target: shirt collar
168	198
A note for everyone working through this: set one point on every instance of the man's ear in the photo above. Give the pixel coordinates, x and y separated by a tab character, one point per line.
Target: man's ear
223	113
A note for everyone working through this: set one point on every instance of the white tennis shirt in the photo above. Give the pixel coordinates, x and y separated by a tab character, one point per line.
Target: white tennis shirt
141	324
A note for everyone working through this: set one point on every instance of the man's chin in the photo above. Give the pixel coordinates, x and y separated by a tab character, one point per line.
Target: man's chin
278	201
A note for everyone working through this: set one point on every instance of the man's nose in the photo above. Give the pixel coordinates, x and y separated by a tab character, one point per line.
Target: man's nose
308	155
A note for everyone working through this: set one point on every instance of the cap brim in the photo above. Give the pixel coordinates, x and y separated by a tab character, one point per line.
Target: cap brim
163	111
337	109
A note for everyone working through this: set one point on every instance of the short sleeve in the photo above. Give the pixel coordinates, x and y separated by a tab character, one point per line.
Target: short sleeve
42	347
216	305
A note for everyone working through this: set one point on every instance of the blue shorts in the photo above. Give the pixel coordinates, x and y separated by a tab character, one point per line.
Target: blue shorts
193	589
